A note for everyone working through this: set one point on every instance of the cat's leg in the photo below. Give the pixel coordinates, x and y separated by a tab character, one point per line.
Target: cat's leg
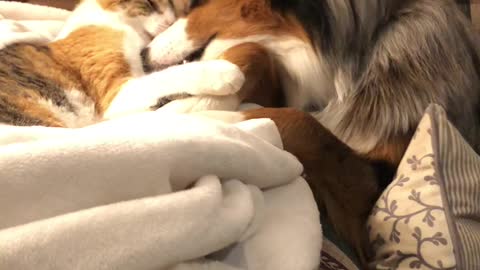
261	83
215	78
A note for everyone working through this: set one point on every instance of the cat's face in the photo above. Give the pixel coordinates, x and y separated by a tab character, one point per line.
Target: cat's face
152	16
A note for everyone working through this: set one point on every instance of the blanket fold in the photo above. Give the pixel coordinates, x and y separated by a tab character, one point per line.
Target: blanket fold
23	22
211	215
117	195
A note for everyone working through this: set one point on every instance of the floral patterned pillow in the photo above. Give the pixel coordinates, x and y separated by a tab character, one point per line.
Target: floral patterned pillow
429	216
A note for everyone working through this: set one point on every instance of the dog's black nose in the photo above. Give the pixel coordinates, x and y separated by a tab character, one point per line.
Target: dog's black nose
146	61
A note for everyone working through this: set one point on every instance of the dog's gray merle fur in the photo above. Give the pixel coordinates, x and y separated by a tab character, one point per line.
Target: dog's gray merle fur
394	57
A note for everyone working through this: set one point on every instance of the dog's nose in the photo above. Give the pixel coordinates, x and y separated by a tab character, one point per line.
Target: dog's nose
149	65
146	61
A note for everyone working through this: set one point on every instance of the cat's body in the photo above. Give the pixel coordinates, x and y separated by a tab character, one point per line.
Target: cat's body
74	81
54	85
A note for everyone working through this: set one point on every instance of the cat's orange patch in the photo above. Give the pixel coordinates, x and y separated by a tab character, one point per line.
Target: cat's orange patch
100	66
30	107
43	64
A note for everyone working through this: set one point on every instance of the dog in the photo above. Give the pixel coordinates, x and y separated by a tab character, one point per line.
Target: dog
368	69
365	70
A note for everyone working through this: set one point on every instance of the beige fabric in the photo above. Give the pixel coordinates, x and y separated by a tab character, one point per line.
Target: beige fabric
459	170
429	217
408	227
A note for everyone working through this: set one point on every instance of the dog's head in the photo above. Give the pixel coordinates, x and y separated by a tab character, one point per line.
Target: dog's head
221	20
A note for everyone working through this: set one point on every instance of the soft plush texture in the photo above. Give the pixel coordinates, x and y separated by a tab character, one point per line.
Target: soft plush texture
63	4
428	218
39	25
116	196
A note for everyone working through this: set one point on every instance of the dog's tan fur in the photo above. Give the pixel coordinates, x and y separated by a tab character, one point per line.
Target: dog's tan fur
260	71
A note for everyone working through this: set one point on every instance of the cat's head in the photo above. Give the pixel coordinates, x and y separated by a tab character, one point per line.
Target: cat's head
149	16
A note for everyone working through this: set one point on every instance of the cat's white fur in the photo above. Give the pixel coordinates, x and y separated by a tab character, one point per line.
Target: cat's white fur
84	114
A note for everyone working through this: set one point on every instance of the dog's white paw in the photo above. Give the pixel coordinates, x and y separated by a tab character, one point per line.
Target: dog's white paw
222	78
213	77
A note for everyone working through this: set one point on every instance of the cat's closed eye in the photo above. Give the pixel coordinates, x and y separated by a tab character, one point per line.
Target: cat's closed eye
143	7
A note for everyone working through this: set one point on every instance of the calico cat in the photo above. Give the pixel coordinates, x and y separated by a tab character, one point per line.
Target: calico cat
74	80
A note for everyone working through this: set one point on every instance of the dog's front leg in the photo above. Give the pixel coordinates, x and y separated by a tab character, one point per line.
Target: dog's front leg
261	85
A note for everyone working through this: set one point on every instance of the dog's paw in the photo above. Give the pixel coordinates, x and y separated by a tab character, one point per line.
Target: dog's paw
213	77
221	78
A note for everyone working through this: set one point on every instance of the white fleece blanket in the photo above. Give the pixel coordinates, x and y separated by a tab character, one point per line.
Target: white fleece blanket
151	191
21	22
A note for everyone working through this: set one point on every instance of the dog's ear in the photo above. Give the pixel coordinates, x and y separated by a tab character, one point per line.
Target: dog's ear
256	9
